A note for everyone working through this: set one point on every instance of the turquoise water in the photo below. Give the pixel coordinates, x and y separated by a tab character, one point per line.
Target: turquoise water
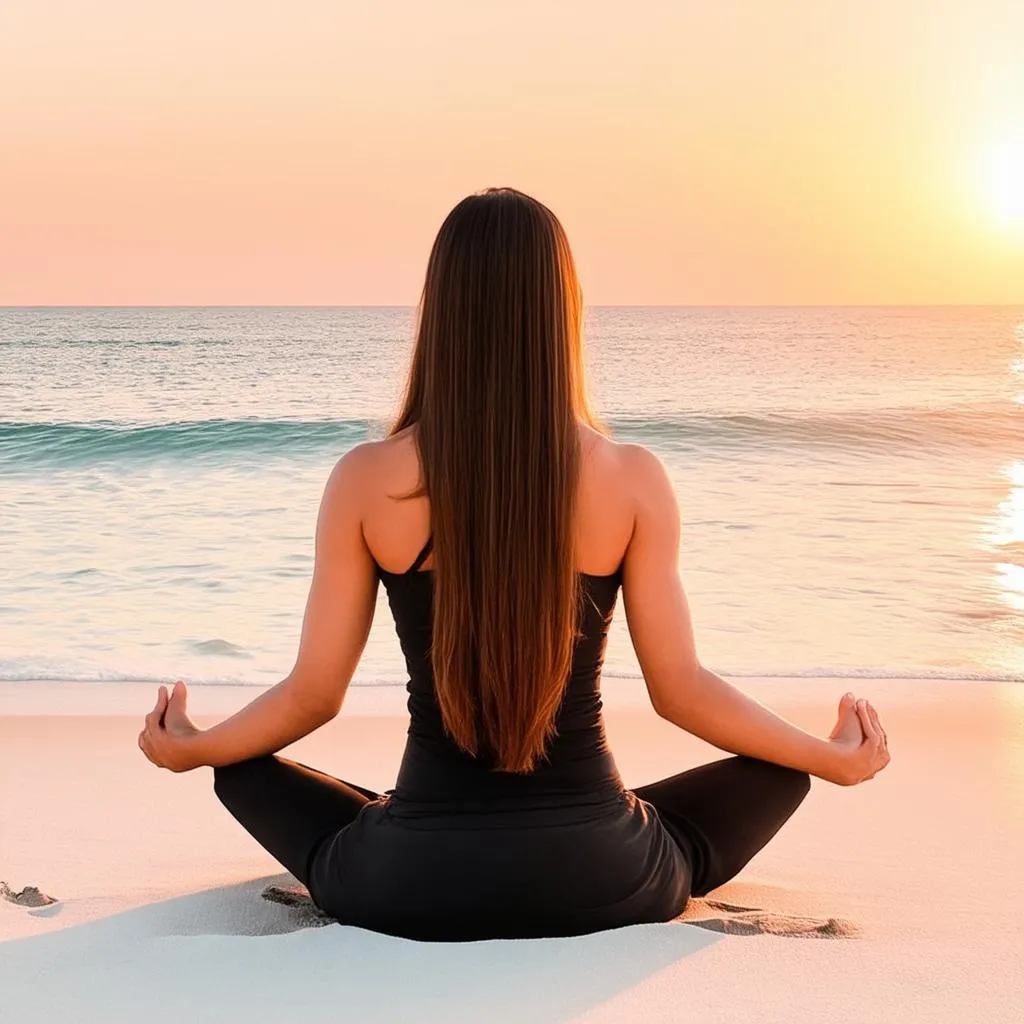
851	483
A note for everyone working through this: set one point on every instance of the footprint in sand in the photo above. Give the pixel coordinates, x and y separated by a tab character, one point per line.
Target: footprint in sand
722	917
30	896
736	920
297	896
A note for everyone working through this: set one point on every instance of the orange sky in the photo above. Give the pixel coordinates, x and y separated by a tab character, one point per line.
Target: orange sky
229	152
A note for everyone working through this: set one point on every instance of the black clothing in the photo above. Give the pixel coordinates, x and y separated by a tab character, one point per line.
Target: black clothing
457	851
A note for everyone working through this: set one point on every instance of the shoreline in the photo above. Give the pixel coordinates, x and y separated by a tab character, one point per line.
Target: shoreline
44	697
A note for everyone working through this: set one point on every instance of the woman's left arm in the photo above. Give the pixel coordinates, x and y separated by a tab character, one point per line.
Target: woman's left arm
338	616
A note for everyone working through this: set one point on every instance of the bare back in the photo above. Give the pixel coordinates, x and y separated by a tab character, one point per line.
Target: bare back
395	530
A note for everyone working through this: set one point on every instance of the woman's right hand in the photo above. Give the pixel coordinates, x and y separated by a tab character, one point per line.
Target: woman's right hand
859	743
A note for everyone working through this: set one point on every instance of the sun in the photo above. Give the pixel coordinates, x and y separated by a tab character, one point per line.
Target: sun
1003	183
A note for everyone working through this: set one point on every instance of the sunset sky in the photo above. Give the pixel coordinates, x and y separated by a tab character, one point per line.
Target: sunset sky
741	151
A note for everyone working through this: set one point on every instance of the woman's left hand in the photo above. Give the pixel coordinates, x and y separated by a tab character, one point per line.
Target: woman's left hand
169	736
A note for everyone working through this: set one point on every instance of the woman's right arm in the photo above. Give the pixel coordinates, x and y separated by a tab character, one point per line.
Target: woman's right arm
689	695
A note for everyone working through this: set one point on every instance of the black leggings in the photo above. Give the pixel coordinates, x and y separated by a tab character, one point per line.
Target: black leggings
721	813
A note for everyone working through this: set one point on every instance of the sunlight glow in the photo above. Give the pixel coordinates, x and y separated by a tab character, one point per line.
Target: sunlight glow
1010	526
1011	584
1004	183
1007	537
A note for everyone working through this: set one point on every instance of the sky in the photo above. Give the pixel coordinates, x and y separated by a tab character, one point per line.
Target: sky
221	152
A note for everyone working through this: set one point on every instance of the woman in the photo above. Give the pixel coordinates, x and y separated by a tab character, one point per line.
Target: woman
502	522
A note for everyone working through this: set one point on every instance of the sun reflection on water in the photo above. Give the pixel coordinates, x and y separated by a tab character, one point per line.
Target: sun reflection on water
1008	534
1010	527
1011	584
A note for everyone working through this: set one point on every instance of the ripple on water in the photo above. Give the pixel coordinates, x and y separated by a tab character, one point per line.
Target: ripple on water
218	648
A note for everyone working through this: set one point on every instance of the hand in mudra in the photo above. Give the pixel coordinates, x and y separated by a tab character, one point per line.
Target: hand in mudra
168	736
860	741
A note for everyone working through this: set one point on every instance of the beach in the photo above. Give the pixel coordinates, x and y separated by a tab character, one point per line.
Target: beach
915	875
776	250
852	500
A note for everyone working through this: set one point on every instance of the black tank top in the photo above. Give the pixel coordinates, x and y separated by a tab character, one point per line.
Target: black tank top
458	850
437	777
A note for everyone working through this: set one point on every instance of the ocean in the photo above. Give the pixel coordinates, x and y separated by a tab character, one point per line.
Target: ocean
851	483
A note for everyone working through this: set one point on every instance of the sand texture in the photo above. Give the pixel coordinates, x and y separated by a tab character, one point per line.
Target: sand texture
901	900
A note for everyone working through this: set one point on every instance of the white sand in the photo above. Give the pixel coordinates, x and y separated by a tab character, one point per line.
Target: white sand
159	915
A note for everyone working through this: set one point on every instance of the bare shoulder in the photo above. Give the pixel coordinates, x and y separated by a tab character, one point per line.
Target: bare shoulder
647	476
625	495
633	470
371	468
367	488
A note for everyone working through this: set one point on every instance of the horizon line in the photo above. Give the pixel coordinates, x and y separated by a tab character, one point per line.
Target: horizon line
608	305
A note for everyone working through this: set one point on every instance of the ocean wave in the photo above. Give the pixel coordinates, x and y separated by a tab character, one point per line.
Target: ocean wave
881	430
19	673
39	669
922	675
58	675
884	430
219	648
75	444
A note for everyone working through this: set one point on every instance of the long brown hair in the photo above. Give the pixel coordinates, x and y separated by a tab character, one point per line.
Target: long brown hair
496	390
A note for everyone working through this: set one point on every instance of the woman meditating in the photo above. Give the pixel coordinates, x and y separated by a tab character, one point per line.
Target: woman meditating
503	521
